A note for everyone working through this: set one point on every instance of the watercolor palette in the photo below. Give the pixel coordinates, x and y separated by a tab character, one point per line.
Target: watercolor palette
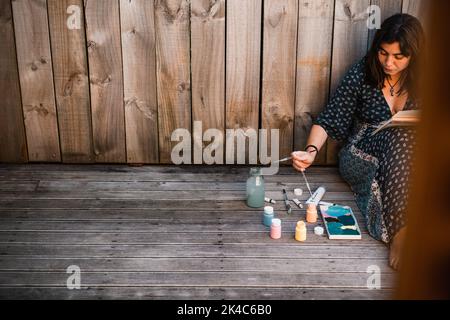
340	222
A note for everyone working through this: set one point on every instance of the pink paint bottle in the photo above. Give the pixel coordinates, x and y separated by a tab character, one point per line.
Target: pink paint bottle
275	229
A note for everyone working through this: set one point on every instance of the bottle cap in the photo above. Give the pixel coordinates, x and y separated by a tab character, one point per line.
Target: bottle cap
298	192
318	231
255	171
301	224
268	209
276	222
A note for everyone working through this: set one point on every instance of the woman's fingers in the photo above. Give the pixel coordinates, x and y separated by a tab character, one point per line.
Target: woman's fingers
300	155
300	165
301	160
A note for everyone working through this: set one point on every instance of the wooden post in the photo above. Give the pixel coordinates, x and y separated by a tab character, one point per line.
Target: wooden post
243	57
66	20
315	36
106	81
13	145
36	79
173	71
139	70
208	64
278	79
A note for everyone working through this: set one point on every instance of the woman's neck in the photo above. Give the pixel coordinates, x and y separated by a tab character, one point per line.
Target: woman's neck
394	78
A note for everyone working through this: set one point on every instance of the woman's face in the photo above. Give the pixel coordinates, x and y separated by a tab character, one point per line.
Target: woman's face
392	59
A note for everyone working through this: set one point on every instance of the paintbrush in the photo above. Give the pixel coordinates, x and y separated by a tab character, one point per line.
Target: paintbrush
286	202
283	160
306	180
303	173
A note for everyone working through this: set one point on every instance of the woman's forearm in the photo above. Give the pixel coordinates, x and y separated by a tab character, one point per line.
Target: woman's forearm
302	160
317	137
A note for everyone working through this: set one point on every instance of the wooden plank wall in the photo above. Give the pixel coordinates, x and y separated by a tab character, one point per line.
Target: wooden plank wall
106	80
314	47
278	80
139	70
208	68
36	80
109	81
13	145
173	71
71	75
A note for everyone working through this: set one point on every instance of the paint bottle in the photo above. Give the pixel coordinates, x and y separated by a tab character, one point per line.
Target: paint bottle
268	216
300	231
311	213
275	229
255	189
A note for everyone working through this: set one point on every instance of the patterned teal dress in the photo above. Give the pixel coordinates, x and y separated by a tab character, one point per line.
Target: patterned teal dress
377	167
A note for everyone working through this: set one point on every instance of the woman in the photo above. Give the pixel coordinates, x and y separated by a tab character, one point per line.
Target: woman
376	166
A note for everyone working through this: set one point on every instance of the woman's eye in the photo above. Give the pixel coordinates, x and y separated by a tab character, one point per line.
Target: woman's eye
382	53
399	57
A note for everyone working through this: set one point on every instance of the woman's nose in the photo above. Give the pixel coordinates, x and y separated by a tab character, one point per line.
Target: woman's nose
389	61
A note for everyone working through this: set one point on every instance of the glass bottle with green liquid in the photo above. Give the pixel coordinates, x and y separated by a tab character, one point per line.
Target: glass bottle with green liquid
255	189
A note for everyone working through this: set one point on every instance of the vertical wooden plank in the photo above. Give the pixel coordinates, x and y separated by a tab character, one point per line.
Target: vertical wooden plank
208	63
36	79
173	71
13	147
388	8
349	45
279	61
315	36
139	70
243	63
420	9
416	8
66	20
106	81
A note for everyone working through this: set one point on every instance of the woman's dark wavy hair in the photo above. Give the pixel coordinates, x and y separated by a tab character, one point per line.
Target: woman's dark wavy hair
408	31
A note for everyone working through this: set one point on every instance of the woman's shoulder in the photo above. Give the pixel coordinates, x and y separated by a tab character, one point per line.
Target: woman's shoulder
358	70
355	75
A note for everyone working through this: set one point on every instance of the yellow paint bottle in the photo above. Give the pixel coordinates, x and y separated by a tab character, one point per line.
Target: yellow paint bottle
300	231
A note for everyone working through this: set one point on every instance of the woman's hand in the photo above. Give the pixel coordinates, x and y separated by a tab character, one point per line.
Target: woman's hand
302	160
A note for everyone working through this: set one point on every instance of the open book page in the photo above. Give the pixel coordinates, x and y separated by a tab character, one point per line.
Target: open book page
402	118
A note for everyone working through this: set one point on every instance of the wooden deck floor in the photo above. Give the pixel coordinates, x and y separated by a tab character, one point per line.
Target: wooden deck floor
163	232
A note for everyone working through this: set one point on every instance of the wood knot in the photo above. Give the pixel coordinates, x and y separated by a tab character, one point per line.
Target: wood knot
39	109
183	86
101	82
348	10
173	11
74	78
91	45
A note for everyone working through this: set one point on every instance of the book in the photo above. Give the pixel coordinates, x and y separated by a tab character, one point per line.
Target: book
400	119
340	222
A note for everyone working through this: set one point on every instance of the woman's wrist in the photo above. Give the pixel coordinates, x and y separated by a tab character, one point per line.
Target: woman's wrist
312	149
